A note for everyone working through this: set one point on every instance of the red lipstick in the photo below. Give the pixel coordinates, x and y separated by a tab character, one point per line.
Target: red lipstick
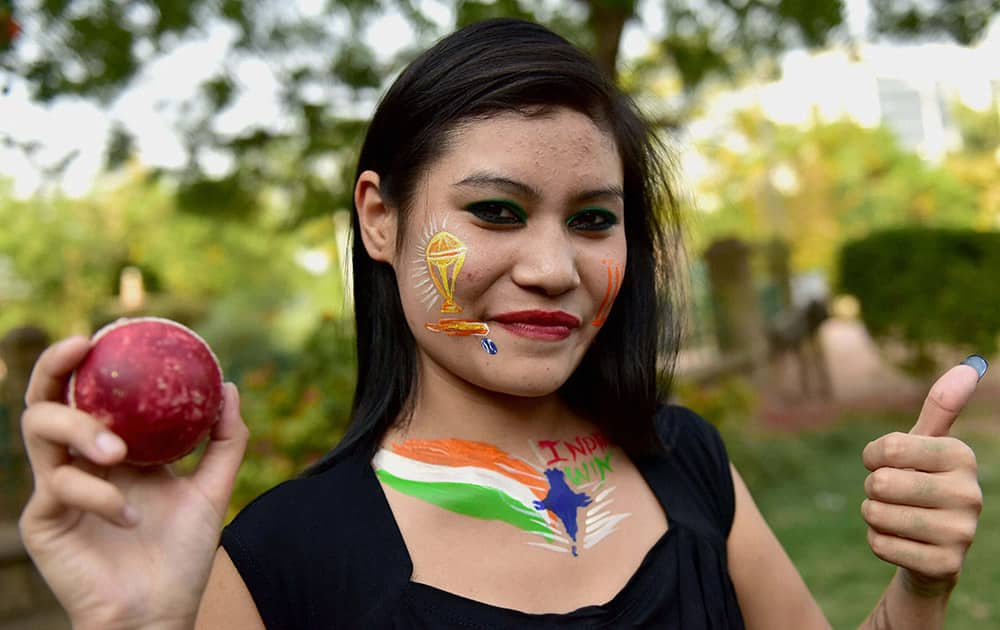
537	324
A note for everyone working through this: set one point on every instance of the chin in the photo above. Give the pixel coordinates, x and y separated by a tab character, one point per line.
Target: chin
523	387
514	376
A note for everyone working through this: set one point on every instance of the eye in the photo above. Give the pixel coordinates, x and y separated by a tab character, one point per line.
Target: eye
592	220
497	211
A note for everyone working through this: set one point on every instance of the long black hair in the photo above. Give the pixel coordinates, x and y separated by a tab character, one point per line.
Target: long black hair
484	69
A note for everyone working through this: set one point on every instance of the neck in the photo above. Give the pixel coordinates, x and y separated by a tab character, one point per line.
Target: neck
450	407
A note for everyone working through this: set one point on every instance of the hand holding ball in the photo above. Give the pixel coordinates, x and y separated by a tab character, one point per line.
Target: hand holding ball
155	383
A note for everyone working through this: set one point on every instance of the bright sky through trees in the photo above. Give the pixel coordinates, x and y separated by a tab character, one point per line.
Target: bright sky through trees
77	131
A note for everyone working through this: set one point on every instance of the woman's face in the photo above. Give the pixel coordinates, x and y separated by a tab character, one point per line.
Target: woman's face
518	228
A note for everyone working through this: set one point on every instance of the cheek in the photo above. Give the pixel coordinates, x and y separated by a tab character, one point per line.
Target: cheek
447	291
476	280
481	269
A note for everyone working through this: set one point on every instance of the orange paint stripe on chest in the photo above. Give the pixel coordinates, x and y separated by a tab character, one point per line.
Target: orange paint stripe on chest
455	452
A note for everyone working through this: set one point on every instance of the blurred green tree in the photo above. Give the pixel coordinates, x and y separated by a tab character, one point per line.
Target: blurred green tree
61	259
329	74
980	128
922	294
978	165
815	188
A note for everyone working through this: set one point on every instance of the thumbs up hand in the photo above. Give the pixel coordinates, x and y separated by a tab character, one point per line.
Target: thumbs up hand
924	498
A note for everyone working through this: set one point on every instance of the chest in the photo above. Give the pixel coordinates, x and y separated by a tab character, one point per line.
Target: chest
578	545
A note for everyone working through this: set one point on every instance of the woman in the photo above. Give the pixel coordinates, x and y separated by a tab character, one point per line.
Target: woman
508	464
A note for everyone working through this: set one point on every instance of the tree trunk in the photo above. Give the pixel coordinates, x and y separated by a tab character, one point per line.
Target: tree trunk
607	20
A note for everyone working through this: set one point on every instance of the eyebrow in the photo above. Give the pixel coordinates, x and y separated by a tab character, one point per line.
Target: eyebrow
483	179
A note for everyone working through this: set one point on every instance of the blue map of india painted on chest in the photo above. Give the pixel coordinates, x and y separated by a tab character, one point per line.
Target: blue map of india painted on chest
562	501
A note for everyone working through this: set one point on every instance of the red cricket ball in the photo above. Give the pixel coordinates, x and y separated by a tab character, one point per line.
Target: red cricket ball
154	382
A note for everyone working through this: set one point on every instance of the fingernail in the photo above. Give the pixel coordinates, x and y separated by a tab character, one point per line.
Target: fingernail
130	516
977	363
109	444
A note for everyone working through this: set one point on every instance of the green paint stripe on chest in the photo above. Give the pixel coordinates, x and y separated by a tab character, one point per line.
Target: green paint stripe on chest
470	500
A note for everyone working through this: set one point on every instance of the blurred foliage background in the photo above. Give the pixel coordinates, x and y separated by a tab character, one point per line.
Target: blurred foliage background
245	238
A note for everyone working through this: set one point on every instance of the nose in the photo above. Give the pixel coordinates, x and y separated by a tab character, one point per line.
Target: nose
547	262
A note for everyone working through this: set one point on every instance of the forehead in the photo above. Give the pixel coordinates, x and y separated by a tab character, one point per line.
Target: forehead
558	150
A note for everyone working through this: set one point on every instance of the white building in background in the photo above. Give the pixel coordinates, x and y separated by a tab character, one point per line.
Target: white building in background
909	89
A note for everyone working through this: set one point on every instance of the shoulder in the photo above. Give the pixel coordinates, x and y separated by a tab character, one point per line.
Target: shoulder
681	428
268	543
308	502
312	536
310	514
695	463
297	505
280	528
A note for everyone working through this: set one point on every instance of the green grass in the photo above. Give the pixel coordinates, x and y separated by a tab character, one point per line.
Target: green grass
810	487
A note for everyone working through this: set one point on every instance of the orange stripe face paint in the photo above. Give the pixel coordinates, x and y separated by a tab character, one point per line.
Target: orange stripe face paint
615	273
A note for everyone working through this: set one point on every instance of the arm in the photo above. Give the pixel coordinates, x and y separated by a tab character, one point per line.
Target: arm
770	590
923	507
906	605
922	510
93	524
227	603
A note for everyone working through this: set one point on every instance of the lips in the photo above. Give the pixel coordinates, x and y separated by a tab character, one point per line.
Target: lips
540	325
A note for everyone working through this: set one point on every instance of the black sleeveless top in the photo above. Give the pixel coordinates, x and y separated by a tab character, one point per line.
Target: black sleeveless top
324	552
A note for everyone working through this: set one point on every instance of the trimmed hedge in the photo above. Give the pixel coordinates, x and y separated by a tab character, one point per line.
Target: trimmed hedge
927	287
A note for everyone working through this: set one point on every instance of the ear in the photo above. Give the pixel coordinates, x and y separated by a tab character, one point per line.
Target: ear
378	221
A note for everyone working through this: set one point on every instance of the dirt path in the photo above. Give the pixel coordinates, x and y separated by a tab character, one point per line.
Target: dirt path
860	380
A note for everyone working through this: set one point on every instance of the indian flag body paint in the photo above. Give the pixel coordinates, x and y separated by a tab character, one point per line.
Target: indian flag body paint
468	490
482	481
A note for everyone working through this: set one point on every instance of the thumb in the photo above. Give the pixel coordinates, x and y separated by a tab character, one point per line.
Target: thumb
948	396
216	472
